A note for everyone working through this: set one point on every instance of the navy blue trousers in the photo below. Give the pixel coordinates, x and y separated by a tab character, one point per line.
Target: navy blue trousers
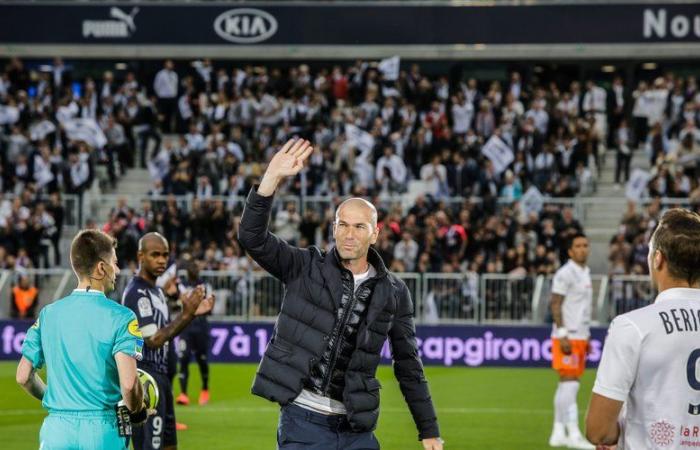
301	429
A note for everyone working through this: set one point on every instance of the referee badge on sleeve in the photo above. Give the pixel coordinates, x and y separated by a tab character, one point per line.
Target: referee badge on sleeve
134	328
138	350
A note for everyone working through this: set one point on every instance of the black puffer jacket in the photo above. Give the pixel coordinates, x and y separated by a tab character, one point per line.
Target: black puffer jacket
306	322
327	377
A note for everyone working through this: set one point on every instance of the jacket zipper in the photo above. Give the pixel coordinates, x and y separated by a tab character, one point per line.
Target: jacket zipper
343	323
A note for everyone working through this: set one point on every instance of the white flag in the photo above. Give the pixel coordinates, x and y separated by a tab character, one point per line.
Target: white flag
8	115
500	154
86	130
532	201
40	130
359	138
637	184
389	68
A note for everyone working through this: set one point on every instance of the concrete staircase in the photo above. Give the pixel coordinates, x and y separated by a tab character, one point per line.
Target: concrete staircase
133	187
602	216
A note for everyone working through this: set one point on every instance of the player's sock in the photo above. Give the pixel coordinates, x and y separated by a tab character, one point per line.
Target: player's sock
558	436
204	371
183	377
569	394
560	406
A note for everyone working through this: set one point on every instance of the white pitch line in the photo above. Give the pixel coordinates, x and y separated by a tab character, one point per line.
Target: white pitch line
264	409
391	410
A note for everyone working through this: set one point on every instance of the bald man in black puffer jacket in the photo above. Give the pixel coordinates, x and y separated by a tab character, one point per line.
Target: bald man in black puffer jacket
338	310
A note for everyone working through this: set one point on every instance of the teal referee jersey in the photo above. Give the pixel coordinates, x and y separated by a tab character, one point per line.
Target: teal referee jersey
76	338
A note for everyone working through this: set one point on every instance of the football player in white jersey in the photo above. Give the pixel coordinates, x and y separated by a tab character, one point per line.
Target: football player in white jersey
651	357
572	295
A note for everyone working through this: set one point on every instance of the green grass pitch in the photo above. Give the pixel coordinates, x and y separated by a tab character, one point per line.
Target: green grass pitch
478	408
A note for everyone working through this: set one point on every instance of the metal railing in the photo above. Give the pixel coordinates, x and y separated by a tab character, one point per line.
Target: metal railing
449	297
439	298
71	209
506	299
626	293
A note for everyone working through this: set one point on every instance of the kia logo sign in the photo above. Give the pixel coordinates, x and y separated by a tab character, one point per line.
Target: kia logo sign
245	25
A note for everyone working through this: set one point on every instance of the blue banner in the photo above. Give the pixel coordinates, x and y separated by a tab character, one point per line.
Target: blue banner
465	345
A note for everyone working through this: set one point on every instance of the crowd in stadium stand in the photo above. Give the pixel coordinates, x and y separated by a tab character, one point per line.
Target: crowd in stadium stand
373	135
629	247
53	141
207	131
431	236
666	117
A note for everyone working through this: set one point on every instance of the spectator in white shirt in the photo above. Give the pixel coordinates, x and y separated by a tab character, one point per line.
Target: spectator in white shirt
436	174
107	88
204	188
78	172
462	114
656	99
544	166
515	85
42	167
442	89
567	106
165	86
396	169
471	91
485	120
539	116
595	103
406	251
287	224
270	110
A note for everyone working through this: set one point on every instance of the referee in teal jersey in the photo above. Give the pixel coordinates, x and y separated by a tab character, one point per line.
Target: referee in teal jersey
90	345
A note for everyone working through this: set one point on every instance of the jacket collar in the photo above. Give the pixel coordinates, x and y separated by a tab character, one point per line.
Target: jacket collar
373	257
332	271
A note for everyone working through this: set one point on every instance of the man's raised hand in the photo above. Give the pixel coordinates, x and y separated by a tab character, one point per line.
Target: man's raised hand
191	301
287	162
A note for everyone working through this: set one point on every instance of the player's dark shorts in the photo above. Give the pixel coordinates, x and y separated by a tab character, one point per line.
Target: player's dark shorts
159	430
195	341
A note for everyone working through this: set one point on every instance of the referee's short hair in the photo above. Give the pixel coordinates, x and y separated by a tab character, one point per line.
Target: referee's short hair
677	237
88	248
573	237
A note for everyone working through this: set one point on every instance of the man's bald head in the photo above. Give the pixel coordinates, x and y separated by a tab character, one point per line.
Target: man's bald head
358	204
149	239
153	255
